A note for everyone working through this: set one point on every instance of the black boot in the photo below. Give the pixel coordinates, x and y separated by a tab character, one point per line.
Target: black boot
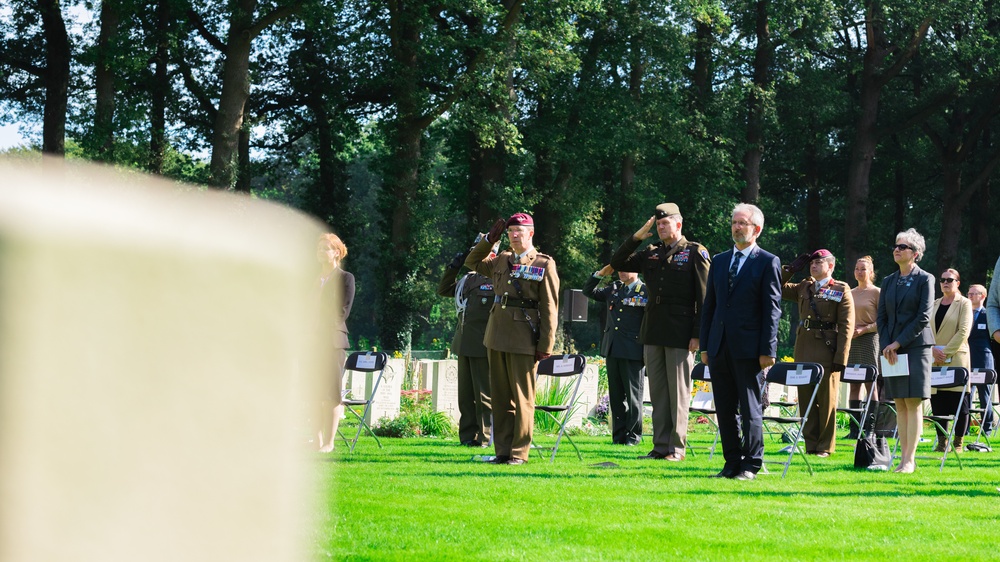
855	429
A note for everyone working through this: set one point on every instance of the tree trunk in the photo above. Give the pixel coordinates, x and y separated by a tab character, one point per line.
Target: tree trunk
951	218
243	158
159	89
235	91
701	78
56	77
105	82
755	106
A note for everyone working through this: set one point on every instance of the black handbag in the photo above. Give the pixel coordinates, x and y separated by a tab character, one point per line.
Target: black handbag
881	420
872	452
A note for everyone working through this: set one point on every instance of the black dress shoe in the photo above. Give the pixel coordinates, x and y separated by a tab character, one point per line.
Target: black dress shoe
499	459
745	475
653	455
725	473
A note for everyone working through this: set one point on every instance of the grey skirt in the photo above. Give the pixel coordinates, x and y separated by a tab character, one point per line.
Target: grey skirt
864	350
918	383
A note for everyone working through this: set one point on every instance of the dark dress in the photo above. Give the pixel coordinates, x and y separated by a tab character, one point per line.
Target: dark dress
904	315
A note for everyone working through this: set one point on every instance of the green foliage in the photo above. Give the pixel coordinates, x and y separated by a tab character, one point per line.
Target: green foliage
416	418
550	393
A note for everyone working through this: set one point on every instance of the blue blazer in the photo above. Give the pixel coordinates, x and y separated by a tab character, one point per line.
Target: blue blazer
746	318
980	354
904	312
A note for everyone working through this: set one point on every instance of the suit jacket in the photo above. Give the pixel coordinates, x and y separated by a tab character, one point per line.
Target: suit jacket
336	305
835	305
953	333
904	311
477	292
993	302
746	317
980	354
676	281
513	329
626	308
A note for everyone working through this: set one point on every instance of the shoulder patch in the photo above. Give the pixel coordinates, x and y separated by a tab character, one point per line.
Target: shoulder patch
704	253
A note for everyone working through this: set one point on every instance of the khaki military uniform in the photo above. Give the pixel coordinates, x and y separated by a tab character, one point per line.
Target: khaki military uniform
823	336
474	411
522	322
675	277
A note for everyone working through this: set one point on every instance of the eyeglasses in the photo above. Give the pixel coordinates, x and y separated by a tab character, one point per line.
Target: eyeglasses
742	224
947	280
901	247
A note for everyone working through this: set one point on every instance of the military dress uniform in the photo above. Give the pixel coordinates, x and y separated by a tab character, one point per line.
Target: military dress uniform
675	286
475	293
522	322
620	345
823	336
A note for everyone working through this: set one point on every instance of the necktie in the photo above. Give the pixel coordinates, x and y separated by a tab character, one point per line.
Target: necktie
734	268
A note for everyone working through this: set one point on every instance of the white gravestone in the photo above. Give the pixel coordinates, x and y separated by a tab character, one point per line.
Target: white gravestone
159	342
425	374
386	403
444	394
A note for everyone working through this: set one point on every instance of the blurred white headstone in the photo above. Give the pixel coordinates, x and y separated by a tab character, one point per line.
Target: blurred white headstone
157	347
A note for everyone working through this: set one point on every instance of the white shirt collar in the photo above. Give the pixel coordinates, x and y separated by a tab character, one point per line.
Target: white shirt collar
823	282
746	251
518	257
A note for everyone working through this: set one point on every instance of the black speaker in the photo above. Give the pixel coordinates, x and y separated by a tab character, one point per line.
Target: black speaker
573	307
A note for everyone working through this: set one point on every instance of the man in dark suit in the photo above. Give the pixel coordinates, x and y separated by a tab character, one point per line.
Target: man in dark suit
626	302
675	271
473	294
739	335
980	354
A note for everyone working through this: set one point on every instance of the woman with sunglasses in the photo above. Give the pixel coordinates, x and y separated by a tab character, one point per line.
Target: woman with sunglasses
951	321
904	328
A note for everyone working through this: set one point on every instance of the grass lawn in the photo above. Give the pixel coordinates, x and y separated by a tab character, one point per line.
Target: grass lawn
425	499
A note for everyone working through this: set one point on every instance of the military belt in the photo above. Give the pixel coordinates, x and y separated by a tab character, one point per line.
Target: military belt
812	324
506	301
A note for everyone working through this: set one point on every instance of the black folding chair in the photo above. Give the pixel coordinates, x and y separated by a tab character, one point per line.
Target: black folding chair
859	374
557	367
793	374
701	372
946	377
983	380
364	362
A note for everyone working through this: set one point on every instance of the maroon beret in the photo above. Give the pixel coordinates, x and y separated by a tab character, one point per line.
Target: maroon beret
520	219
821	253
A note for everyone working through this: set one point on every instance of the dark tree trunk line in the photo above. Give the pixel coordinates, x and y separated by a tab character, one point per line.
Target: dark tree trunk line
763	56
866	137
55	77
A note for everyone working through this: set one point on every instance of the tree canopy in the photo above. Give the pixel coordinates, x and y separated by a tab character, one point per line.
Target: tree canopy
410	126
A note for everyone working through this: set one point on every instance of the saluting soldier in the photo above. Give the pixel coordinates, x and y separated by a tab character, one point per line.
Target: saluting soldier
676	272
626	301
520	332
473	296
826	326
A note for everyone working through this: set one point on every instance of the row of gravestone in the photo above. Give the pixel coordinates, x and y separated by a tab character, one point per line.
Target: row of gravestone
441	379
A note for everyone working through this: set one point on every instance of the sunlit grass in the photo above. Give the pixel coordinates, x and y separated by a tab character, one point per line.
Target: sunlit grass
425	499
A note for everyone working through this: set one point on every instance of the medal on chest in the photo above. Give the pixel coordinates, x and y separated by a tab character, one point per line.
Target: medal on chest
831	294
527	272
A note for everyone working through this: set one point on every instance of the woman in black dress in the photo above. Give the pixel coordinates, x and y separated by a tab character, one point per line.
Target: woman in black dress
336	299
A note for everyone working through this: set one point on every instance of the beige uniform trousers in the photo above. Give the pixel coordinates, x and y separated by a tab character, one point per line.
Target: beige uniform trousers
512	389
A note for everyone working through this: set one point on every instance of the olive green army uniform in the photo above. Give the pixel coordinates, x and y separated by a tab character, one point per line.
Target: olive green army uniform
823	336
522	322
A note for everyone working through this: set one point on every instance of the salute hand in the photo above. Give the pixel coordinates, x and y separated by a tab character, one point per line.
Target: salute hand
644	232
496	231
